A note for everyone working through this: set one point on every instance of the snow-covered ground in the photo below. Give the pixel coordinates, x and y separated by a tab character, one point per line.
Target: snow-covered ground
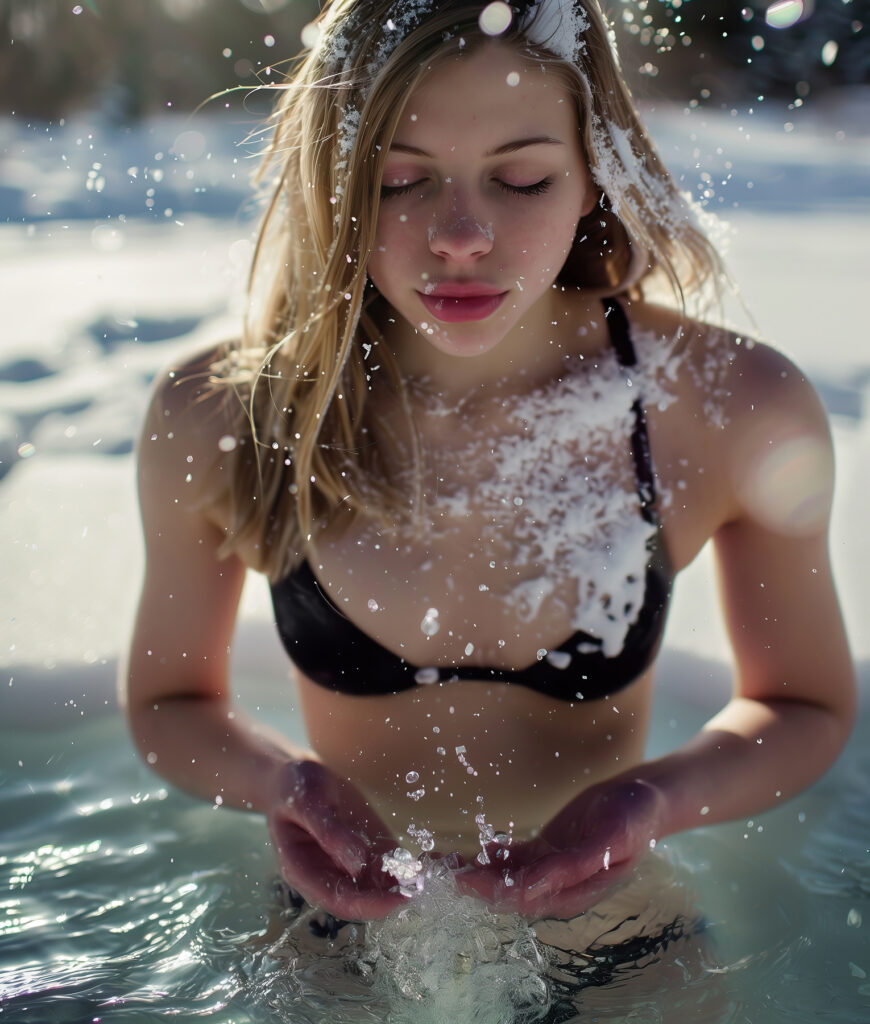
119	249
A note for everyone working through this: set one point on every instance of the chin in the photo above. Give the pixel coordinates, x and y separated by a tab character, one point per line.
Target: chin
455	343
467	339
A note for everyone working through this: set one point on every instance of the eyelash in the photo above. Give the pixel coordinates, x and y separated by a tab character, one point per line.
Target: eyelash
535	189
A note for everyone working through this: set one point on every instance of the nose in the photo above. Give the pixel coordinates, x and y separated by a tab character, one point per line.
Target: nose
459	236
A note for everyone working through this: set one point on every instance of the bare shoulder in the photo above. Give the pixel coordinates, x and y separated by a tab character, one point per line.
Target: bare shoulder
193	428
726	379
186	402
776	442
742	417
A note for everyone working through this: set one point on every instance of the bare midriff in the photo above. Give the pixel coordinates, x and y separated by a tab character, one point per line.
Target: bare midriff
503	750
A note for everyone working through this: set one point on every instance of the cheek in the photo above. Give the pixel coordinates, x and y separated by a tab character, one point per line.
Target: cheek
394	236
394	259
549	236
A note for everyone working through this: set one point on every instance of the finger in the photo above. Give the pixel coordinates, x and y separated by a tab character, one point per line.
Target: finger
323	883
563	869
568	903
570	900
342	844
358	903
483	883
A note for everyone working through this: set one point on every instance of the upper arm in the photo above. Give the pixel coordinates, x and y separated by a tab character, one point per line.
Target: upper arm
189	596
779	599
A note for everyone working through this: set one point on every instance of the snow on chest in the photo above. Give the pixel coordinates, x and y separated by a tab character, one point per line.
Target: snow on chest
556	496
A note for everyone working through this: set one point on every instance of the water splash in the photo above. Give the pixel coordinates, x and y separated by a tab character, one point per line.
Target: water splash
405	868
423	837
445	957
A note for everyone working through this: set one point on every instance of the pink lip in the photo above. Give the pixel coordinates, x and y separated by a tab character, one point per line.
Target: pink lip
454	302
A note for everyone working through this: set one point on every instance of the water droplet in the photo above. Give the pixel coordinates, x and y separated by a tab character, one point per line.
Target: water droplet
513	78
372	605
541	653
26	449
559	659
426	676
412	777
854	918
469	650
430	624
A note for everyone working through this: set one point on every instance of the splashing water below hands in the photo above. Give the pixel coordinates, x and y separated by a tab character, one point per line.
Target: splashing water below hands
445	956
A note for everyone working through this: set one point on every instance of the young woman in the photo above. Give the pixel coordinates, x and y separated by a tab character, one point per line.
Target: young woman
471	458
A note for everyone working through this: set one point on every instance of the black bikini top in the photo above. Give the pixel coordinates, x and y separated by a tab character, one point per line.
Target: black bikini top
335	653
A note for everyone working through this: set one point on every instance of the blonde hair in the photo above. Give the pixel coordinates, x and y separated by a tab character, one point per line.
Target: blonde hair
301	369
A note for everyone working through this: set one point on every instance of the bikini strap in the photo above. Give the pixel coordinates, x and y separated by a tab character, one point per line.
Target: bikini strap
620	339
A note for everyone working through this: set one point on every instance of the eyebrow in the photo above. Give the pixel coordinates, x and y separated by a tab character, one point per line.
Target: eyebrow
508	147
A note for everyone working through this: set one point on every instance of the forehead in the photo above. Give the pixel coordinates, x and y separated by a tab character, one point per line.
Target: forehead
490	94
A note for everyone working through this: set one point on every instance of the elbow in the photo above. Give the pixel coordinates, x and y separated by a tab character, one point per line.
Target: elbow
847	714
839	718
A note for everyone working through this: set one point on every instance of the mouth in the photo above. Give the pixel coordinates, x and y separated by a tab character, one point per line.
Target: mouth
457	302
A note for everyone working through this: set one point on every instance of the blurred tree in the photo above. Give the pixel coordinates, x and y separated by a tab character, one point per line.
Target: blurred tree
129	58
725	51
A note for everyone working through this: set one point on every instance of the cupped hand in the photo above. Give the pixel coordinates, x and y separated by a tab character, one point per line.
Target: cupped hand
589	845
330	843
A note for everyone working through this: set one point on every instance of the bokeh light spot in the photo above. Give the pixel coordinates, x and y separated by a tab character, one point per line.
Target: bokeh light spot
786	13
495	18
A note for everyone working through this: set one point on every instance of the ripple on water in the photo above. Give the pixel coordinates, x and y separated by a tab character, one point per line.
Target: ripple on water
124	900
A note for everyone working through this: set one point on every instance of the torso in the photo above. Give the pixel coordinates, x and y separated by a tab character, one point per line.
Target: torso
503	575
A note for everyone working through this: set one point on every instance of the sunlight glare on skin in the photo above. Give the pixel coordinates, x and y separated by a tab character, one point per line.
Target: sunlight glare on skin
787	485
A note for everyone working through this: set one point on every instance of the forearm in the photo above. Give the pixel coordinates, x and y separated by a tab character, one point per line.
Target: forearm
212	750
751	756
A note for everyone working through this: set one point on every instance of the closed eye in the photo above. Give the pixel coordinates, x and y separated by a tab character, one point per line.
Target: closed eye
537	188
389	191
